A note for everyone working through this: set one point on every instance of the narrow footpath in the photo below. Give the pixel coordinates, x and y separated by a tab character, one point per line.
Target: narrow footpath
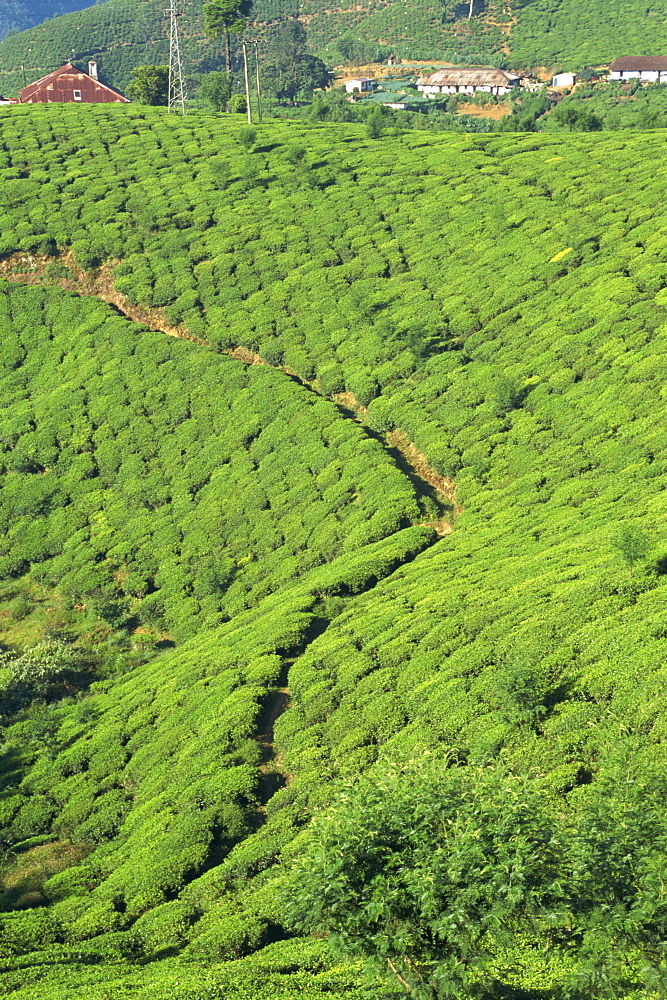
41	270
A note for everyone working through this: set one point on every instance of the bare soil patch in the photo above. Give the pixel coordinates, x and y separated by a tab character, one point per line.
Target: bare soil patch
348	400
493	111
444	486
33	269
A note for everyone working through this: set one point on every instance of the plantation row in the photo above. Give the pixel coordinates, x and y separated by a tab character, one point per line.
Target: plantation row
157	774
566	34
499	300
420	30
159	481
185	485
326	262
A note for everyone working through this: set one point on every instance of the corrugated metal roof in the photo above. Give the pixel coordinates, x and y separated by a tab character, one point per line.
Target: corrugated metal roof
475	76
59	87
649	64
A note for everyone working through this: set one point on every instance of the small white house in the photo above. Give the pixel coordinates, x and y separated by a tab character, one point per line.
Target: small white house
364	84
564	80
648	69
481	79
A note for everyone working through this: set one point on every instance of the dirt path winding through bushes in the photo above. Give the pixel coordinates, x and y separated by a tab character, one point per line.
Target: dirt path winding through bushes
271	771
63	272
37	269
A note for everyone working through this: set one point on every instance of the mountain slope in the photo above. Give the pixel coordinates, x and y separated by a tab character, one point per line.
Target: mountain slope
554	33
497	307
570	35
17	15
120	34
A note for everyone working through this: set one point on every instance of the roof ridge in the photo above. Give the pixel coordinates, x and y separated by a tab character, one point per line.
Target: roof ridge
38	85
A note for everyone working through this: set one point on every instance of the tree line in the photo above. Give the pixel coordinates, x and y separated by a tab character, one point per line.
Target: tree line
286	67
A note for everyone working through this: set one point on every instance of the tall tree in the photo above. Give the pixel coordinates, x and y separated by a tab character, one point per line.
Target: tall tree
150	85
439	873
429	871
216	90
222	18
289	67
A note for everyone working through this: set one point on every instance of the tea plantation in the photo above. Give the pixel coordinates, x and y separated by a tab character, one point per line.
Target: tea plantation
334	635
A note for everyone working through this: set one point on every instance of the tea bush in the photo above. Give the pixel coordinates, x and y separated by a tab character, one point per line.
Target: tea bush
500	301
155	479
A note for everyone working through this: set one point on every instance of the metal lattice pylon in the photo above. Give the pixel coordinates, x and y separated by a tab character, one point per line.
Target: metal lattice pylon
177	92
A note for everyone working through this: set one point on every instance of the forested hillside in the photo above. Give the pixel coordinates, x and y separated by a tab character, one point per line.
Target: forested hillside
17	15
565	34
384	536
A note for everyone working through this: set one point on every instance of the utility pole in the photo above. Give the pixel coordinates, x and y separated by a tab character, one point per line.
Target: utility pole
259	83
247	81
25	79
177	93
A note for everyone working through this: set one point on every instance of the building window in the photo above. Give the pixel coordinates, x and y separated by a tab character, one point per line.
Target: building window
77	95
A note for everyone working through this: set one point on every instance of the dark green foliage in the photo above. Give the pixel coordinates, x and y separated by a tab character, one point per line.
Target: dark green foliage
357	52
222	18
238	104
375	124
150	85
431	870
613	106
576	119
288	68
633	544
247	138
216	90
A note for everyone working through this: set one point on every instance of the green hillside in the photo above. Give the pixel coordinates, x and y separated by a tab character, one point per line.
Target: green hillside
122	34
233	589
17	15
567	34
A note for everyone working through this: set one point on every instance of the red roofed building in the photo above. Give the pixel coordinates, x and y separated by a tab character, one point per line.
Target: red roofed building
69	85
